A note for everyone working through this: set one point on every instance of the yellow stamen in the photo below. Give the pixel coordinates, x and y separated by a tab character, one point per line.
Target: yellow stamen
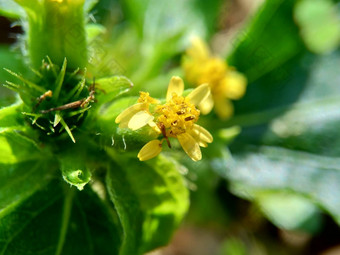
144	97
177	115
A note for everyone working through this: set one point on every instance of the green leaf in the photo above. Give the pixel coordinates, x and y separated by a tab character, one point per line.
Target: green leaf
66	222
111	87
274	64
273	168
312	123
93	31
290	138
289	211
150	199
35	203
262	48
295	148
21	168
16	147
11	116
74	169
10	9
9	59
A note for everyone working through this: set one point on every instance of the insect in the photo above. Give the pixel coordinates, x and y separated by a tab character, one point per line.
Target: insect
76	104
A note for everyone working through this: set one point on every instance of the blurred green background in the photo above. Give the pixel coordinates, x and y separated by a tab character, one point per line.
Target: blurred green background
274	189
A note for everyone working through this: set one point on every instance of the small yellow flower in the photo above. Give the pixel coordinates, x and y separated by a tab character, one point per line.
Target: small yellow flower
176	118
226	84
137	115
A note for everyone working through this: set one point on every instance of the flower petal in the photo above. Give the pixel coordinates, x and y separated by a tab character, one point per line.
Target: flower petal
150	150
154	126
198	140
198	50
199	94
223	108
234	85
140	119
190	146
176	85
202	134
127	114
206	105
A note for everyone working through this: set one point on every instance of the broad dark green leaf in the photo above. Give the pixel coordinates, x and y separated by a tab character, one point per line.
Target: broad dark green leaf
21	168
295	148
57	219
269	53
150	199
288	210
262	48
40	213
272	168
312	123
290	120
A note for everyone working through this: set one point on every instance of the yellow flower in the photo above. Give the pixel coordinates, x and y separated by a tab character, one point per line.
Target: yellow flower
226	84
137	115
176	118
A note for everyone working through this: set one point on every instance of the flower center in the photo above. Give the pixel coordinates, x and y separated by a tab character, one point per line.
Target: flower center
176	116
212	72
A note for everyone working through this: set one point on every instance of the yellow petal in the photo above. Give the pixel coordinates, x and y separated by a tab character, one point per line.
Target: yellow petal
154	126
199	94
223	108
190	146
198	140
234	85
150	150
140	119
176	85
206	105
127	114
198	49
202	134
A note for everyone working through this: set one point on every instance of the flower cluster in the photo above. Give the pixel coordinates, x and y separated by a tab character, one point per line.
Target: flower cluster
176	118
226	84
